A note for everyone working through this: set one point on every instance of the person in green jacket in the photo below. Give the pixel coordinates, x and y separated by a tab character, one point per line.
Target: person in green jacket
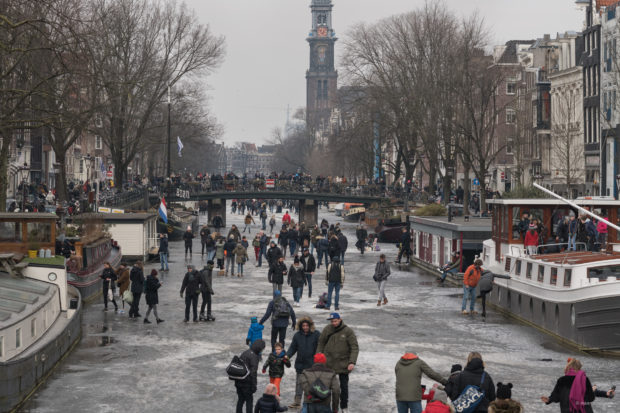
409	371
339	344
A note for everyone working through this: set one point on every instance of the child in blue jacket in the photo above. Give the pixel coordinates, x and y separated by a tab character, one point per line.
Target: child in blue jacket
255	331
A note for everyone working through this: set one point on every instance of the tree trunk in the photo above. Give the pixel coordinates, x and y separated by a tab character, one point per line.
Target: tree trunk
118	171
4	166
447	188
61	184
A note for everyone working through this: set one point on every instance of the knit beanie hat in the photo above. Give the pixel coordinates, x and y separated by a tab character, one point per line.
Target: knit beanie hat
441	396
503	391
456	368
254	320
320	358
296	260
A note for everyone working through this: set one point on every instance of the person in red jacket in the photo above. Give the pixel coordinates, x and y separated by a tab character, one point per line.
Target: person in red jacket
286	219
439	403
531	240
470	281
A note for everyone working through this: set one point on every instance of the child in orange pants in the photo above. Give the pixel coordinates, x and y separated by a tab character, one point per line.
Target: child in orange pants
276	362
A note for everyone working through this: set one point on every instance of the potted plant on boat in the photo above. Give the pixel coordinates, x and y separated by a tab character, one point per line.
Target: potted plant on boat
33	249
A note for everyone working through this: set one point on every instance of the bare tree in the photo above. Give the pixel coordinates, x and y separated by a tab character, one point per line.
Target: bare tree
567	139
142	48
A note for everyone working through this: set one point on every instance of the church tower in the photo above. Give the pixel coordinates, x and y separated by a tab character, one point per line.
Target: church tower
321	77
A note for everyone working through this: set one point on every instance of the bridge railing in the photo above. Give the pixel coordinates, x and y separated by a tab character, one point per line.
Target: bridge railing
193	188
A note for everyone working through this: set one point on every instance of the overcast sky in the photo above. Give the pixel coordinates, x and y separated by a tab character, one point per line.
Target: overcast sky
267	53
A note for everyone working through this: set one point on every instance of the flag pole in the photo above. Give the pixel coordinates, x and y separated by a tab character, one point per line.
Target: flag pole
168	146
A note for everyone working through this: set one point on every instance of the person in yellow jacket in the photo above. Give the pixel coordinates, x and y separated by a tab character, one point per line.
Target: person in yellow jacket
470	281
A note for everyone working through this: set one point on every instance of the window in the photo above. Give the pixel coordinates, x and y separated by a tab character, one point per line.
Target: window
528	271
541	273
325	92
98	142
554	275
602	273
518	267
33	327
39	232
511	116
10	232
18	338
98	121
81	166
511	88
568	275
509	144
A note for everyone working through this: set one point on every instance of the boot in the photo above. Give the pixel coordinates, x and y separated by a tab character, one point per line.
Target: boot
159	320
379	303
296	404
146	321
210	317
385	300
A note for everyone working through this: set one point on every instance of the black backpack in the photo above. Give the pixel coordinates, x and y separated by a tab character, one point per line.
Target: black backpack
237	370
281	308
335	272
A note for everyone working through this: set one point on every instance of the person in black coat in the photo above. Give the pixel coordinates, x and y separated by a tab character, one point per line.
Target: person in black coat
361	234
562	391
334	248
304	344
279	324
151	286
343	243
405	246
276	274
109	282
206	281
218	223
136	277
163	251
283	239
472	375
309	264
273	254
191	286
296	279
247	387
205	235
270	402
188	237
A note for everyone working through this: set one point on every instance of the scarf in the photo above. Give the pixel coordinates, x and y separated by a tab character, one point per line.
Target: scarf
577	391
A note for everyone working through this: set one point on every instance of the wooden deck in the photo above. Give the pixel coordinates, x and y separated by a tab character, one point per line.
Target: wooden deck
577	257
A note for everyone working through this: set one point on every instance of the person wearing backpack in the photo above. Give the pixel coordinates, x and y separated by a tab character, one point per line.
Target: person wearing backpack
280	311
276	274
247	387
321	387
272	223
191	286
474	375
304	344
334	279
270	402
339	344
409	370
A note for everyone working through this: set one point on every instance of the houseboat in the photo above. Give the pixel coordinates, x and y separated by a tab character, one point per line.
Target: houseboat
436	238
571	295
355	214
390	230
135	233
178	221
40	313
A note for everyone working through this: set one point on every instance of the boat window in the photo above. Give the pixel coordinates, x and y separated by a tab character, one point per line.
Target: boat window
516	219
33	327
18	338
507	266
568	275
554	275
603	272
541	273
39	232
528	270
518	267
10	232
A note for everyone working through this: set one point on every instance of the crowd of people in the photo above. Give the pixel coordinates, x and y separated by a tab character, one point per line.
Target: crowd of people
323	361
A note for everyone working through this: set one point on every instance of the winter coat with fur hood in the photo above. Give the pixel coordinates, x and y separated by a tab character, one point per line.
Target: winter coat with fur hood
505	406
304	345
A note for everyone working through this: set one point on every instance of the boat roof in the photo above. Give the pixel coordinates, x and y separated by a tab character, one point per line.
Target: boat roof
28	215
19	297
551	201
577	257
127	216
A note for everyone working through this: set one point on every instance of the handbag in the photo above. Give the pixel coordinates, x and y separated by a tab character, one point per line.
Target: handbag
470	398
127	295
110	294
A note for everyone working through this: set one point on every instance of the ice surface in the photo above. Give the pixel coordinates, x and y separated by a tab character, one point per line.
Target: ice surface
122	365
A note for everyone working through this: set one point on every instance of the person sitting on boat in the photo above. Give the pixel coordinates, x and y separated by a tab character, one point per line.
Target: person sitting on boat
452	267
531	240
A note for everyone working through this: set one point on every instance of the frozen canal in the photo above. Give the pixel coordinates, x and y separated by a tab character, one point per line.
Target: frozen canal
122	365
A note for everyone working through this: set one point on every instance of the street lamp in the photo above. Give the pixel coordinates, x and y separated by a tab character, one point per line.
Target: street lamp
23	173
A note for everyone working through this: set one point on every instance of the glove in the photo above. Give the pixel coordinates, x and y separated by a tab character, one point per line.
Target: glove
247	341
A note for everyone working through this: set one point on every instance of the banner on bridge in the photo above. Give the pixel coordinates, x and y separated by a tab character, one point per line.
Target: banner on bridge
270	183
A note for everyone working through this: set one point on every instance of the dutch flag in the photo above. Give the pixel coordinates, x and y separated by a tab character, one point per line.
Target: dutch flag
163	211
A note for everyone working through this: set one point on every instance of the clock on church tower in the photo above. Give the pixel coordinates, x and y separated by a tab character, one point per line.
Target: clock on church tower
321	77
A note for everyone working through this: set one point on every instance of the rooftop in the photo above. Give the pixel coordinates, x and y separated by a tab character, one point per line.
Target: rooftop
19	297
474	224
27	215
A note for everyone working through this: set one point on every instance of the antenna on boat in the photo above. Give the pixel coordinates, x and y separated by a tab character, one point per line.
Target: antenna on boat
585	211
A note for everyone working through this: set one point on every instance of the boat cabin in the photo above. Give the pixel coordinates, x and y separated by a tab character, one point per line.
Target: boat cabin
23	231
509	213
